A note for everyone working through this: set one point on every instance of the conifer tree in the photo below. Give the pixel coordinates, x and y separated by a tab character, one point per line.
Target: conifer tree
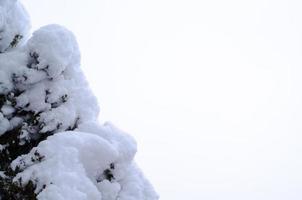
51	144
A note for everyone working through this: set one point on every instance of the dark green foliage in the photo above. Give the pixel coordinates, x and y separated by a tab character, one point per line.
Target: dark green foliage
14	191
16	40
108	174
13	148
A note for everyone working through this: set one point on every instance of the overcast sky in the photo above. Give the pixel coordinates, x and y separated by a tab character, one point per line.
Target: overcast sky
211	90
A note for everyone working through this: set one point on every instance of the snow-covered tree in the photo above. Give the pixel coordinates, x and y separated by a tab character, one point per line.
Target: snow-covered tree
51	145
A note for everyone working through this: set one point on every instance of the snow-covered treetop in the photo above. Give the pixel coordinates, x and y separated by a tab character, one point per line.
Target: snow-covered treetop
52	146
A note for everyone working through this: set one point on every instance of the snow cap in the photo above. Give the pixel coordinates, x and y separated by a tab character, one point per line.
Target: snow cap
56	48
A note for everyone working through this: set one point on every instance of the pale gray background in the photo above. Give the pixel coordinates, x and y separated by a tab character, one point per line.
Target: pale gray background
211	90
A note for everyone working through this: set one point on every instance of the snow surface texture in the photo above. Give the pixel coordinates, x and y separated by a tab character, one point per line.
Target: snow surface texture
90	161
14	24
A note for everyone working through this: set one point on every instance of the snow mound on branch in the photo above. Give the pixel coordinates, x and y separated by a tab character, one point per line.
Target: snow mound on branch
56	48
85	166
69	165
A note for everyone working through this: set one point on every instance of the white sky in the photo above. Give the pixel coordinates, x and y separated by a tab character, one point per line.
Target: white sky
211	90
